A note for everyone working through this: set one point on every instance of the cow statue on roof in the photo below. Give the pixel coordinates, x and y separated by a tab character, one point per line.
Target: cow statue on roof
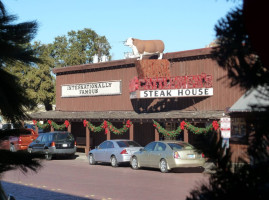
145	47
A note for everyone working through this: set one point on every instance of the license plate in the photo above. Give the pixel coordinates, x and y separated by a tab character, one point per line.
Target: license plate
64	145
191	156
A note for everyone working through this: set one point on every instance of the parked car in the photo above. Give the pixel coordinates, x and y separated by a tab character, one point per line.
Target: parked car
32	126
54	143
167	155
16	139
114	152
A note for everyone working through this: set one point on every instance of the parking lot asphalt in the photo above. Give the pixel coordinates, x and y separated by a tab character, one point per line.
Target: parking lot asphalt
76	179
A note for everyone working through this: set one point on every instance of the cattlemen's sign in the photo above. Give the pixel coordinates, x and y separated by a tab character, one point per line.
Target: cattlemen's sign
180	86
92	89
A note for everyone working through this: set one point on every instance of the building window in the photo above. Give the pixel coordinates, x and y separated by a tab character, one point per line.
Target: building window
238	128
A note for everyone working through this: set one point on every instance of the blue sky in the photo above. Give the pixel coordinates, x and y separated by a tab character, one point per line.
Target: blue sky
181	24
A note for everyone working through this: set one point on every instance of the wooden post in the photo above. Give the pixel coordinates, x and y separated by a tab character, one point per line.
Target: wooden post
218	135
108	134
186	135
69	128
157	136
131	132
87	141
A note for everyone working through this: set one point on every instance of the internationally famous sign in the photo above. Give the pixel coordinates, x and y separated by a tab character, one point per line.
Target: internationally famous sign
92	89
167	87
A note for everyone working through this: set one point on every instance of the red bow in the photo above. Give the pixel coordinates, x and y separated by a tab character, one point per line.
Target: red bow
85	123
66	123
128	123
182	125
215	125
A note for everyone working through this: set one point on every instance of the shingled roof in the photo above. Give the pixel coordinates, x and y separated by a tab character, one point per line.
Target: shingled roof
255	99
125	115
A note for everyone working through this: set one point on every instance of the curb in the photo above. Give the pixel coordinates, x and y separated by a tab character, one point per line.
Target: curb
81	156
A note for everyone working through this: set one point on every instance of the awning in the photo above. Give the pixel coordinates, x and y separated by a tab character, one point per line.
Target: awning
255	100
125	115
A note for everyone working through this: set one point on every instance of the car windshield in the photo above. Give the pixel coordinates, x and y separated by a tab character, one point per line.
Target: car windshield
63	137
38	139
180	146
128	144
32	126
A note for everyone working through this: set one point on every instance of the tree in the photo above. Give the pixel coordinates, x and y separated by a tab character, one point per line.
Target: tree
235	53
75	49
36	79
41	81
79	47
13	48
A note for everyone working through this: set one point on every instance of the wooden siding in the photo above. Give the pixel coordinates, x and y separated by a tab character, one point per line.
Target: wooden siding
98	103
144	133
223	97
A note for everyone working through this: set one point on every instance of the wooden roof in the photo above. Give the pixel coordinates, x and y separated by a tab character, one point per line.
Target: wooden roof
125	115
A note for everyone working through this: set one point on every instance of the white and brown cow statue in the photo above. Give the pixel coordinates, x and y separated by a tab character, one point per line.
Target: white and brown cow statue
145	47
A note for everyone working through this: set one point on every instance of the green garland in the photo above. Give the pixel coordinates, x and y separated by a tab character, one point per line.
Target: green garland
92	127
166	132
120	130
188	126
108	126
43	126
53	124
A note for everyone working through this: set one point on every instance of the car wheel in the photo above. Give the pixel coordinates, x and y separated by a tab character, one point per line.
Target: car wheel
91	160
134	163
12	148
48	156
114	162
163	166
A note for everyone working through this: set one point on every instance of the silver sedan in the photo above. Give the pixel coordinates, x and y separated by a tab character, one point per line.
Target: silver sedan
114	152
167	155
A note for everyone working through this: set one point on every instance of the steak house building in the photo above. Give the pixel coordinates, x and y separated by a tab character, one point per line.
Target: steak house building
132	99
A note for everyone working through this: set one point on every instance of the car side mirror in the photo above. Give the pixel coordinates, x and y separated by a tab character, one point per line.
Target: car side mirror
142	149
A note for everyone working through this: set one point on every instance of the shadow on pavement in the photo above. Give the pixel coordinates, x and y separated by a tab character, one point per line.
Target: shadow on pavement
22	192
176	170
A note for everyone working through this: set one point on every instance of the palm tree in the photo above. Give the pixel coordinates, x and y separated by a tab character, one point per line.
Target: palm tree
13	48
14	40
